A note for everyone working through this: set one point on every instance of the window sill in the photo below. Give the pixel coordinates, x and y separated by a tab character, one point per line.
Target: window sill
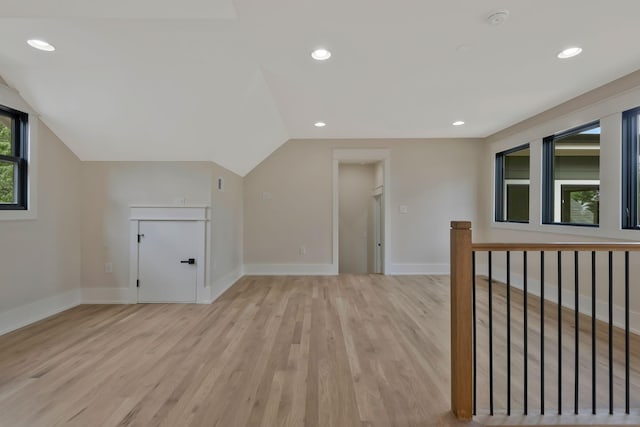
600	232
17	215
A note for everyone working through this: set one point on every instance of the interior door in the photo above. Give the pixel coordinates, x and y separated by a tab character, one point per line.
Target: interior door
377	232
167	261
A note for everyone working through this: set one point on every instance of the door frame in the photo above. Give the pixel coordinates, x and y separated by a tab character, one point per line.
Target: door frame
198	214
363	155
377	232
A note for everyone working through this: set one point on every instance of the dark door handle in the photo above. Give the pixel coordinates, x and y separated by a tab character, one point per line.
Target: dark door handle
188	261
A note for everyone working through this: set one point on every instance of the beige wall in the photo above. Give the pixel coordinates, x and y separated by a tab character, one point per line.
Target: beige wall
605	104
40	258
109	189
436	179
226	228
356	183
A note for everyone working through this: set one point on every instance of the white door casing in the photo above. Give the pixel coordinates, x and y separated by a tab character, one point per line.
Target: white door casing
151	220
377	233
366	155
167	261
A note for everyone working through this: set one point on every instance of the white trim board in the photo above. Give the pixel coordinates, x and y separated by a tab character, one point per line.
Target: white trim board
420	269
198	214
568	296
33	312
27	314
290	270
220	286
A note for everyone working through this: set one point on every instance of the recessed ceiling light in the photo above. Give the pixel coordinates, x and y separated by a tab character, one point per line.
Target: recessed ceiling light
320	124
458	123
321	54
570	52
41	45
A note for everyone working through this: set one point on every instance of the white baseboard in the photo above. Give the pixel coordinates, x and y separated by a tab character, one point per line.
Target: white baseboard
109	296
221	285
24	315
408	268
568	298
289	270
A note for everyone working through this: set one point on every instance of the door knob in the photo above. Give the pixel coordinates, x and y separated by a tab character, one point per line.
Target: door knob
188	261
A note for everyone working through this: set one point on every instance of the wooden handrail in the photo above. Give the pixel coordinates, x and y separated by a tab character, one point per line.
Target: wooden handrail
559	246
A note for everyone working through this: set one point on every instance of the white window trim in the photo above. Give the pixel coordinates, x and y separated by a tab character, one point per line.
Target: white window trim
557	193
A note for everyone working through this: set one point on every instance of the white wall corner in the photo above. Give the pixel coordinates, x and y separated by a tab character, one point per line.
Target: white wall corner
290	270
27	314
109	295
221	285
410	268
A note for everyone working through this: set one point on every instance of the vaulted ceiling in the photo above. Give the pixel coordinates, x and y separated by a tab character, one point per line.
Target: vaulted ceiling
230	81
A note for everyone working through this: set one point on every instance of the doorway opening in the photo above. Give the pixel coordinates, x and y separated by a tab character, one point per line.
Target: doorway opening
360	211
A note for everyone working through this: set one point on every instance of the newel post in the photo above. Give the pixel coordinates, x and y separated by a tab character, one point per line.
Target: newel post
461	320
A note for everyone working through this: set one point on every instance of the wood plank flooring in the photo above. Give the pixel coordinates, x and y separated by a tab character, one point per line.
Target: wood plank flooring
273	351
276	351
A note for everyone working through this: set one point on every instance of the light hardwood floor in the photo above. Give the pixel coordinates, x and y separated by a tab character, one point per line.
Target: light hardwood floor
273	351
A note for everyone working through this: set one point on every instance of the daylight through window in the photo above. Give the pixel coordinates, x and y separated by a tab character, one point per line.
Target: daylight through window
572	177
512	185
13	162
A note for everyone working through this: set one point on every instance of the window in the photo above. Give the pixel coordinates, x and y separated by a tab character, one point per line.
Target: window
512	185
630	170
571	177
13	161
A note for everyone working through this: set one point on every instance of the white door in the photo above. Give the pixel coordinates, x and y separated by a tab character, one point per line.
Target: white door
377	233
167	260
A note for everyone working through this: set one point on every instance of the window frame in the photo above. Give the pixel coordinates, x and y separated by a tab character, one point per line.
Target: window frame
630	153
548	181
500	184
19	132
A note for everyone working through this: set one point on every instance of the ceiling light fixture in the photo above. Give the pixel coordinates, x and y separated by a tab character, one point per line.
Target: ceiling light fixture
320	124
570	52
458	123
41	45
321	54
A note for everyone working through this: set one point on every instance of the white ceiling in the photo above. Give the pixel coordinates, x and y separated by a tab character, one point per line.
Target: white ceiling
230	81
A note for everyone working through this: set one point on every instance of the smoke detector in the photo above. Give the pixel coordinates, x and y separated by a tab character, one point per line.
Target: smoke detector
498	17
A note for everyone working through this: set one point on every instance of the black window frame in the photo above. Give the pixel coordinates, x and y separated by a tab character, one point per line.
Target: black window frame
630	169
19	131
499	183
548	164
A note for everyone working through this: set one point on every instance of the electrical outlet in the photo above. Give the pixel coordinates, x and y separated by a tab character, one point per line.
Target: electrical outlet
108	267
303	250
